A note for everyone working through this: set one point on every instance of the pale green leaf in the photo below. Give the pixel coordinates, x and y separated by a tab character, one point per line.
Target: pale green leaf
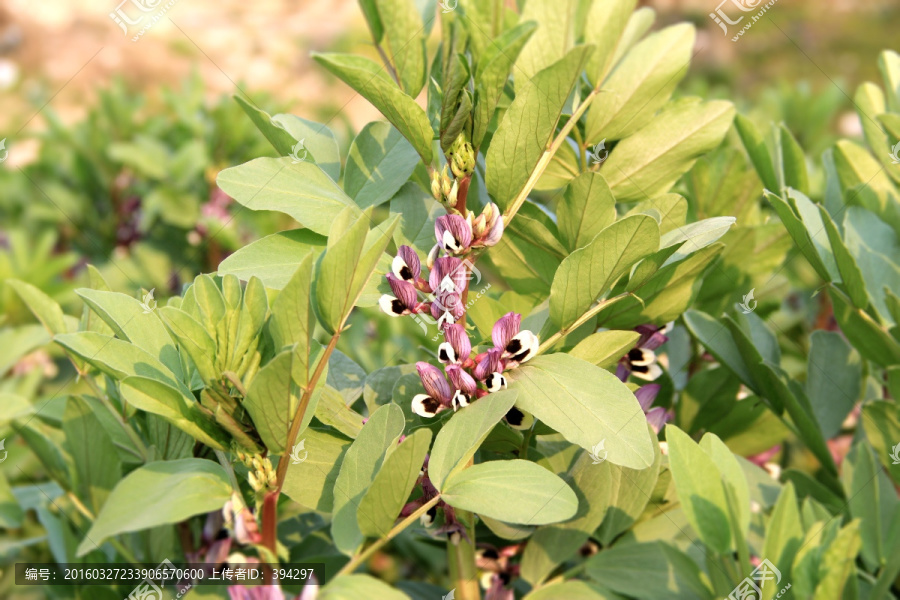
586	208
489	488
159	493
379	163
586	404
274	258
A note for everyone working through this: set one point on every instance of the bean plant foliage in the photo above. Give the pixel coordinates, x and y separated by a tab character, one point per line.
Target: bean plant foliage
453	358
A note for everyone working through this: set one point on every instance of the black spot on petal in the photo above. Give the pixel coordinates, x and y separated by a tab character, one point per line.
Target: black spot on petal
515	417
514	346
406	273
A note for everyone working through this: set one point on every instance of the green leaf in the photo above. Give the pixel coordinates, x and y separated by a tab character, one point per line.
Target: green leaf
587	207
463	434
374	85
528	125
695	236
851	277
720	343
159	493
492	72
784	532
590	272
154	396
301	190
418	211
293	320
757	150
97	465
628	497
319	143
881	422
379	387
608	21
872	500
605	348
332	411
552	545
489	488
272	399
641	84
700	490
649	571
347	266
587	405
669	210
792	161
800	234
358	469
553	38
281	140
117	358
649	162
379	163
889	65
876	250
310	482
838	563
194	339
131	321
274	258
833	380
734	481
43	306
863	332
405	33
354	587
381	504
11	513
345	376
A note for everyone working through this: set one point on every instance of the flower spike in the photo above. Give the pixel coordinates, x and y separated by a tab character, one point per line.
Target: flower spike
453	233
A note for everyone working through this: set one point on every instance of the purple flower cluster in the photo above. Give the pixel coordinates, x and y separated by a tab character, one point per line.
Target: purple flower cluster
466	378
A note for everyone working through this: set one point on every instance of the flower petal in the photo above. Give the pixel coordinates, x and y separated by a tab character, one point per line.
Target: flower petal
403	290
490	363
646	394
461	380
425	406
505	328
435	383
453	233
456	336
522	347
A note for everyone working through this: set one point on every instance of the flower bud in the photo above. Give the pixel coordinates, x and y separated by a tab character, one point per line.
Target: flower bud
436	186
462	157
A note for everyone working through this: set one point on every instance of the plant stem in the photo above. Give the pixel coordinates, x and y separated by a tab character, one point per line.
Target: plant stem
461	558
365	554
550	341
301	409
547	156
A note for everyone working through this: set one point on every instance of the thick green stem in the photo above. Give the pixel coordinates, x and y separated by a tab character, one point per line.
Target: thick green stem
461	559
